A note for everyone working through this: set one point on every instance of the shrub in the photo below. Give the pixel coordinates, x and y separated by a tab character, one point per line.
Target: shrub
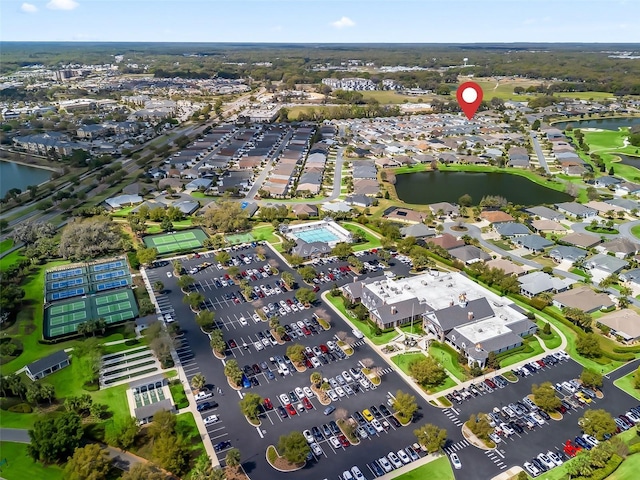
21	408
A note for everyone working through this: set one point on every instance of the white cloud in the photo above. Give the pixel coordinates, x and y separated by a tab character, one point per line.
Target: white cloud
343	22
28	8
62	4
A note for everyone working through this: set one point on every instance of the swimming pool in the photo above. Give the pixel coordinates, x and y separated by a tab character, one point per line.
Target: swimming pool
319	234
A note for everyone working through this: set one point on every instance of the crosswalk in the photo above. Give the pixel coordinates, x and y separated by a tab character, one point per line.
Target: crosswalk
453	416
456	446
385	371
496	459
358	343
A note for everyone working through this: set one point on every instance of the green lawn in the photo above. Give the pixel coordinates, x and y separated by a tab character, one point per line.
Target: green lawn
518	357
6	245
179	397
20	465
362	326
10	259
449	360
371	240
403	360
636	231
391	97
626	384
439	469
266	233
187	428
628	469
416	330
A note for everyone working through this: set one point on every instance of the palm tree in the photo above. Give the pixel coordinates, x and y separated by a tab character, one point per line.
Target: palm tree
233	458
198	381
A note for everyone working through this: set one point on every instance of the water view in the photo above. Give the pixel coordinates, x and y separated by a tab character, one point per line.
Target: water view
603	123
13	175
430	187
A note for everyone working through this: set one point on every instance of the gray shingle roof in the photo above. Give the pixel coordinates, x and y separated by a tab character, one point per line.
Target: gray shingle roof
48	362
457	315
534	242
511	229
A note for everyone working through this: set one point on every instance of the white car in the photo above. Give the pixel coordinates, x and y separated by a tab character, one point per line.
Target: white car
331	345
457	464
315	448
284	398
346	376
333	395
258	345
340	391
395	461
294	307
169	274
335	443
211	419
532	469
243	321
357	474
590	440
299	392
256	318
402	455
376	424
315	362
308	392
546	461
384	463
554	458
346	475
308	436
203	395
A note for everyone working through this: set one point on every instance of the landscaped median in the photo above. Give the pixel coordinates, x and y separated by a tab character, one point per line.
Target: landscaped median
280	463
627	384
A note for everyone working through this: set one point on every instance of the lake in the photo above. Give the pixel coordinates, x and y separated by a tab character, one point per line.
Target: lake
13	175
429	187
603	123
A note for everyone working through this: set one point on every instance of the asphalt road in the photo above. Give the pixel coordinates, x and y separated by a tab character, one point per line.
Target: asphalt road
538	150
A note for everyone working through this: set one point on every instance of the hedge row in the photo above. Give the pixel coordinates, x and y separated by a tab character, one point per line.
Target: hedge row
602	473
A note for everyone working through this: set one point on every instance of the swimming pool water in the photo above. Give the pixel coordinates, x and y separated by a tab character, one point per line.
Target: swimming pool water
317	235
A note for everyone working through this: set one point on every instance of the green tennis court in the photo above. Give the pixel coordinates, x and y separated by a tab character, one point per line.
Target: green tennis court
68	317
114	307
173	242
112	297
237	238
69	307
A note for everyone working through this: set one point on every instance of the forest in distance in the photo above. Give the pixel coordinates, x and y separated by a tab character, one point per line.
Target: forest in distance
568	67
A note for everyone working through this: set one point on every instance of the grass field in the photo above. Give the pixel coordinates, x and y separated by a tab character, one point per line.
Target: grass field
626	384
21	466
371	240
404	360
628	469
438	469
266	233
518	357
294	112
449	360
391	97
636	231
6	245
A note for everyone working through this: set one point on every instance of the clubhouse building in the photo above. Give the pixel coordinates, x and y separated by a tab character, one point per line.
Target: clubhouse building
450	306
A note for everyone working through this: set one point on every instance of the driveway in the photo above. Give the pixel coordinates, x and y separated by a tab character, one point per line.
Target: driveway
538	150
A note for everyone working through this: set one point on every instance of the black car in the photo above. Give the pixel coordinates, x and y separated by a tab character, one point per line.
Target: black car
222	445
516	427
376	412
293	397
542	467
376	468
385	411
248	371
256	368
394	421
359	418
543	414
203	407
254	381
317	434
282	412
326	430
334	427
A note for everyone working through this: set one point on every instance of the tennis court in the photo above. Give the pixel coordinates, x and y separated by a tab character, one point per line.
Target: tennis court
66	273
107	266
67	283
108	275
238	238
112	284
173	242
63	317
67	293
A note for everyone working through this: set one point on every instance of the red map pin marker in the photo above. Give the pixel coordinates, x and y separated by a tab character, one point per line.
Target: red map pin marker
469	96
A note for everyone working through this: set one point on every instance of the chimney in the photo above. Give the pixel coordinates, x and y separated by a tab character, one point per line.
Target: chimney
451	303
478	347
470	316
355	279
394	310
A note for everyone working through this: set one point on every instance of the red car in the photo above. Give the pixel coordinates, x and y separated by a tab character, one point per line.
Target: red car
316	288
570	449
307	363
267	404
290	410
306	331
541	363
343	440
324	348
490	383
307	403
197	255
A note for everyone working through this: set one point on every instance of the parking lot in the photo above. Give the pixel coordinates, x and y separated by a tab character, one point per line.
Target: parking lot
249	341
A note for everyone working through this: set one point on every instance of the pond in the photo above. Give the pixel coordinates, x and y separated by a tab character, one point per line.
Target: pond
603	123
14	175
429	187
628	159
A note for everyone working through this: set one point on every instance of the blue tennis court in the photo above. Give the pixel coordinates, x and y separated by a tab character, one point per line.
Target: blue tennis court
108	275
113	284
107	266
67	293
67	283
66	274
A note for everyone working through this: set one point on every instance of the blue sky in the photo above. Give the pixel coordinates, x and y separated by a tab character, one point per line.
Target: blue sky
326	21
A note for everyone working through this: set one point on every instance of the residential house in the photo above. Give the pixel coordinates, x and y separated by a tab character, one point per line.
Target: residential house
417	230
446	241
122	201
359	201
576	210
199	184
562	253
605	264
547	226
310	249
627	205
366	186
582	240
469	254
47	365
507	266
533	243
604	208
302	209
535	283
631	276
623	323
496	216
583	298
511	229
90	132
444	208
606	181
187	207
620	247
405	215
627	188
518	157
545	213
